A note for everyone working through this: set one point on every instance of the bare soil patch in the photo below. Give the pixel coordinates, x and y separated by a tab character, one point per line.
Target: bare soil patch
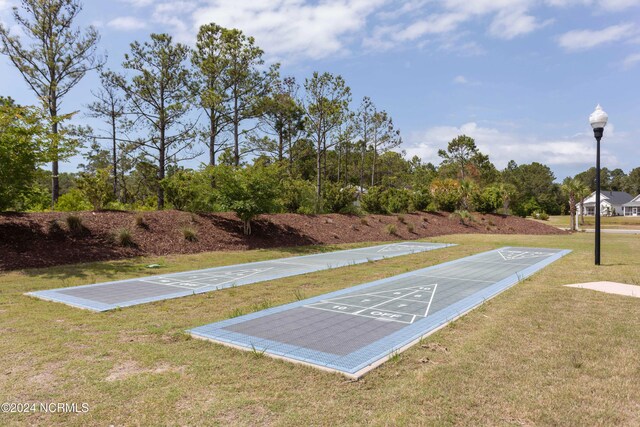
44	239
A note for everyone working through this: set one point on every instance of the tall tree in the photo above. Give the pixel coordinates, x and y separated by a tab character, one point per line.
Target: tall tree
281	119
21	151
211	59
384	138
459	154
109	105
633	182
245	83
364	121
57	58
571	188
161	93
327	99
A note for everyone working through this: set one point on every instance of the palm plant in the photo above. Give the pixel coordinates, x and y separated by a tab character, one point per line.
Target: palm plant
571	187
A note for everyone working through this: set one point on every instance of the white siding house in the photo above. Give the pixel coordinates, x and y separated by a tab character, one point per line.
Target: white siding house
611	203
632	208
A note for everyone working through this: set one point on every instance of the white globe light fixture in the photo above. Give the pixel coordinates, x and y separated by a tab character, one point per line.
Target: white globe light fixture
598	120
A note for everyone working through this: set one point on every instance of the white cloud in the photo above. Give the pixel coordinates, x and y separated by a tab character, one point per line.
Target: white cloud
461	80
138	3
578	150
293	27
631	60
588	39
606	5
127	23
509	24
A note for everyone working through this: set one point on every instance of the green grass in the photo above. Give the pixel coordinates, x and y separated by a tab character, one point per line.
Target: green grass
613	222
538	354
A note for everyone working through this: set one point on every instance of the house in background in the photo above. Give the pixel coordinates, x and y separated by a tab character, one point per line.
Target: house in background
610	203
632	208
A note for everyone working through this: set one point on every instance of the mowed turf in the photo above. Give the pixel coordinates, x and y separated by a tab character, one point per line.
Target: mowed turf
539	353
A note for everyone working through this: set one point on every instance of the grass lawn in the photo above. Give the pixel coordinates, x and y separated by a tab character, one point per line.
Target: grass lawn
613	222
538	354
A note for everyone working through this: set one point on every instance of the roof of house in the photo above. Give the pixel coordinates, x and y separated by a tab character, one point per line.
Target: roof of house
613	197
634	203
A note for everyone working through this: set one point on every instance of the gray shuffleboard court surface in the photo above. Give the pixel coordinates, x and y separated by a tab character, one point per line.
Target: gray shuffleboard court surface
124	293
353	330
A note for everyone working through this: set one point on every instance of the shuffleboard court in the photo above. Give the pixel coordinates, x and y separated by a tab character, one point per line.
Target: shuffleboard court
124	293
353	330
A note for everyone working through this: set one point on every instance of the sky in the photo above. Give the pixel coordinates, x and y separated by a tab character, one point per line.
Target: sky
519	76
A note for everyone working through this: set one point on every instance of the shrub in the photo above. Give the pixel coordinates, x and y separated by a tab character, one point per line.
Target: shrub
446	194
297	196
397	200
190	235
73	201
401	219
373	200
74	223
462	215
410	228
54	229
141	222
123	237
249	191
540	215
338	199
364	221
420	200
391	229
97	188
488	200
191	191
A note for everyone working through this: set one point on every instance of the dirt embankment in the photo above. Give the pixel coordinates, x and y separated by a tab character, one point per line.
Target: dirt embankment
44	239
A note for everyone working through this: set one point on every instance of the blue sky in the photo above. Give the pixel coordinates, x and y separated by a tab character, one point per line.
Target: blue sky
520	76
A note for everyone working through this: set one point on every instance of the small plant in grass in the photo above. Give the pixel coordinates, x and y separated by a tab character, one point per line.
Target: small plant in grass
123	237
262	305
394	357
391	229
257	353
410	228
141	222
74	222
236	312
299	294
190	235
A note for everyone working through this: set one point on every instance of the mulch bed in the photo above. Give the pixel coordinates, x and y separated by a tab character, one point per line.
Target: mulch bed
44	239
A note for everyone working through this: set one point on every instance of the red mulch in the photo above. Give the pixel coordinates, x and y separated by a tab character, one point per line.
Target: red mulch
30	241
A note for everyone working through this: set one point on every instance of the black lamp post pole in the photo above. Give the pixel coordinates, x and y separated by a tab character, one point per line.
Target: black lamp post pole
597	132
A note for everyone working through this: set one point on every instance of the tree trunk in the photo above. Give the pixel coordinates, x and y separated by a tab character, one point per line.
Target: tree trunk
114	155
572	212
246	227
212	137
55	182
373	163
161	168
319	173
236	131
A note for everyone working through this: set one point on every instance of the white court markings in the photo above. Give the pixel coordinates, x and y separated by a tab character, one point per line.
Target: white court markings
201	280
405	305
511	254
400	248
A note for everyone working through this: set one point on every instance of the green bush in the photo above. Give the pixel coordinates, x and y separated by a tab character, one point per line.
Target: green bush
420	200
337	199
446	194
373	200
397	200
73	201
488	200
191	191
248	191
97	188
297	196
540	215
190	234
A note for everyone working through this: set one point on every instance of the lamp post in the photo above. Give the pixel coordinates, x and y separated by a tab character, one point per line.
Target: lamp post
598	120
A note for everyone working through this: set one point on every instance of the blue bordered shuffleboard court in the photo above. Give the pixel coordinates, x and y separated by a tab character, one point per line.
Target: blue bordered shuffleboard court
124	293
351	331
